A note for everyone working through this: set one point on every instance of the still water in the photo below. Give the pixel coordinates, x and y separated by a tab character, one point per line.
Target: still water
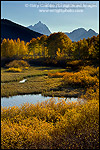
29	98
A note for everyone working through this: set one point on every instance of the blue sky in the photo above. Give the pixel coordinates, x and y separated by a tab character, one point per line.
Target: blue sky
29	13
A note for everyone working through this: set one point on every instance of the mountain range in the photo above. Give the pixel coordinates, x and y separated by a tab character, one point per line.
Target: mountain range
13	31
81	33
75	35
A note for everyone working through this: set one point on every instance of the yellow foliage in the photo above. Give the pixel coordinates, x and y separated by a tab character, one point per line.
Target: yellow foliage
12	69
56	75
88	76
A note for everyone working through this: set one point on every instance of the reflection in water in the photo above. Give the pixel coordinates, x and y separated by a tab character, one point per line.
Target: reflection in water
22	81
29	98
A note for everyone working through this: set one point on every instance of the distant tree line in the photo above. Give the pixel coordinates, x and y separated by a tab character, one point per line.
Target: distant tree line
57	45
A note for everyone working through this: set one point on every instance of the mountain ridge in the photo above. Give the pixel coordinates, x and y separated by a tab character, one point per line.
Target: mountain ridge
80	33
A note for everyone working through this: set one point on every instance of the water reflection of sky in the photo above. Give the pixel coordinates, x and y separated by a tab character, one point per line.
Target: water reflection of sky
30	98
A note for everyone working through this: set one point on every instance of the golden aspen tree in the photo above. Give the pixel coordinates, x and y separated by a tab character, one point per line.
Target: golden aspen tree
58	40
15	47
8	48
36	50
83	49
94	47
45	52
18	46
27	43
4	48
31	47
22	49
91	51
43	44
12	48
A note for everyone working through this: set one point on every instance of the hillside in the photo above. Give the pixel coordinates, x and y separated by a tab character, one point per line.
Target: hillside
13	31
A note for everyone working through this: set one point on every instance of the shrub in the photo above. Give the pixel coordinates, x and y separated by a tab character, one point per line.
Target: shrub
86	77
56	75
75	62
79	79
18	63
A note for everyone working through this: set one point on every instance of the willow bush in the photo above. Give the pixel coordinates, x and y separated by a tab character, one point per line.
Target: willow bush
86	77
18	63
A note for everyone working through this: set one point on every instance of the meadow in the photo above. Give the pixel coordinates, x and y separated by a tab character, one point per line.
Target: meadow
38	81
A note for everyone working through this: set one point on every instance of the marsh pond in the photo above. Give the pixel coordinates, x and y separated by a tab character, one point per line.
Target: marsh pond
29	98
